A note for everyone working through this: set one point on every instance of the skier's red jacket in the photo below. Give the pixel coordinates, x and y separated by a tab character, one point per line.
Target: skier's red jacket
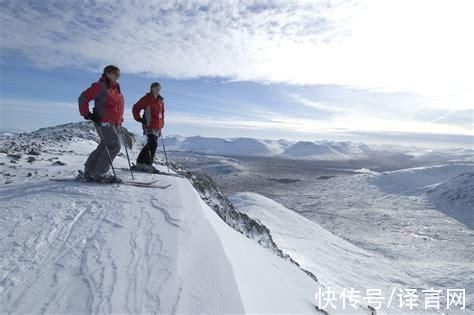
154	111
108	101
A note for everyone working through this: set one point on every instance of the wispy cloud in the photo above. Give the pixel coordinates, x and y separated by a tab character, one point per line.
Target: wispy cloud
180	39
338	125
387	44
366	50
317	105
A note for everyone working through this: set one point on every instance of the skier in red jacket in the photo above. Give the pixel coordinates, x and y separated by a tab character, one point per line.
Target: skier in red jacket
107	116
152	121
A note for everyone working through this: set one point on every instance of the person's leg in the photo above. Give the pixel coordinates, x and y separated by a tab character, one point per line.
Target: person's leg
111	140
152	144
90	165
143	156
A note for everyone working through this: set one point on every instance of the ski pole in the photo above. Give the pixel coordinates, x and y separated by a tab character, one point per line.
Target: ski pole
101	135
164	151
126	151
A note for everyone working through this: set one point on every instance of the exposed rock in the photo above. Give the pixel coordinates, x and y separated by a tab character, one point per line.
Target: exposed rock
33	143
33	152
14	156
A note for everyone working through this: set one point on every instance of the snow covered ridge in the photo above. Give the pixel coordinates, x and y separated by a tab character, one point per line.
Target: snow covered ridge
456	198
449	187
86	248
44	138
241	222
305	150
35	142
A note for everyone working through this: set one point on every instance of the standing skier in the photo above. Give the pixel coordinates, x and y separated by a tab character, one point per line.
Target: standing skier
152	121
107	116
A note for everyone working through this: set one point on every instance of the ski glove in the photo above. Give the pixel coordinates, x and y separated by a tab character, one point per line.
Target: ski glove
142	120
93	117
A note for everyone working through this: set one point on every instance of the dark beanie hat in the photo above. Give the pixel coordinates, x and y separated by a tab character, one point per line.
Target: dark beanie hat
155	84
111	68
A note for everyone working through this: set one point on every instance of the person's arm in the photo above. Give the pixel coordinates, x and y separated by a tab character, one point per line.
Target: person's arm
163	114
88	95
137	108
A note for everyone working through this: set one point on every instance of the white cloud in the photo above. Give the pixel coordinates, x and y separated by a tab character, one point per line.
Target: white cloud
337	125
323	106
173	38
421	46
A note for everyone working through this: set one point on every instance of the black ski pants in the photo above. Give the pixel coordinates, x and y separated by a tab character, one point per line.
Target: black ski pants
147	154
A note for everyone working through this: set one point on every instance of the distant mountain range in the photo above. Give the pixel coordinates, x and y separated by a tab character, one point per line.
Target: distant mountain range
303	150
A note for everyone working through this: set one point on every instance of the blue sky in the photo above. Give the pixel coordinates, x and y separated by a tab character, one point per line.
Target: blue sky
340	70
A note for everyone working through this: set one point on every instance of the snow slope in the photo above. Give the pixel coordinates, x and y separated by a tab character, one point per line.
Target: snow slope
456	198
71	247
448	187
417	180
339	264
398	229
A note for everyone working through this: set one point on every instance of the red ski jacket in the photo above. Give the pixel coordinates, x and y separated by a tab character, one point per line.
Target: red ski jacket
108	101
154	111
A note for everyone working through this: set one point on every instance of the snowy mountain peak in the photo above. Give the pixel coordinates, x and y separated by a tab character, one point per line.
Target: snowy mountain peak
313	150
220	146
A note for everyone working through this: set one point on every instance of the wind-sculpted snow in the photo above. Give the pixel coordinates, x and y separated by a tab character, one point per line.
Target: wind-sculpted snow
71	247
69	250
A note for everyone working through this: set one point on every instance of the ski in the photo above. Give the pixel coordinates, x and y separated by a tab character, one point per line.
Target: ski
157	172
129	183
146	184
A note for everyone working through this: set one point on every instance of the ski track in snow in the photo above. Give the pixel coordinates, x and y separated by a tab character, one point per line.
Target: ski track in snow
79	233
169	219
